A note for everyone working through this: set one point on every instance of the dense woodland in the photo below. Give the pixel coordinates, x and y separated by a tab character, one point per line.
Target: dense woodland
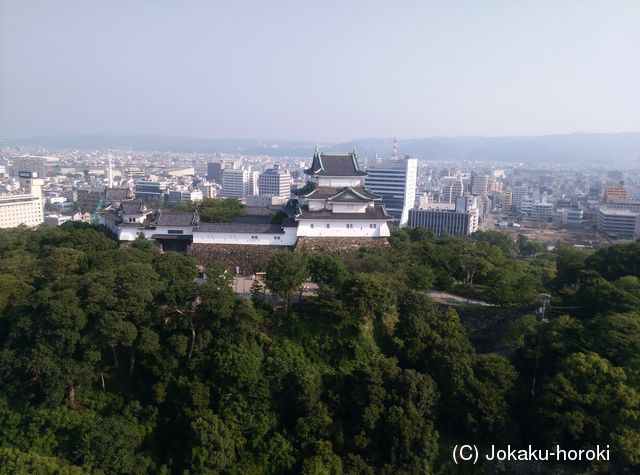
119	360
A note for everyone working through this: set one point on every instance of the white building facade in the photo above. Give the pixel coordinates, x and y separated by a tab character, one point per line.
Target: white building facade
448	219
275	182
238	183
26	206
395	182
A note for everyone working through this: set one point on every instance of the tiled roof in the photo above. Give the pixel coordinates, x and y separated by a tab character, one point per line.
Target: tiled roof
259	210
240	228
253	219
326	164
173	237
374	212
177	219
347	193
111	216
118	194
133	207
307	188
354	194
247	224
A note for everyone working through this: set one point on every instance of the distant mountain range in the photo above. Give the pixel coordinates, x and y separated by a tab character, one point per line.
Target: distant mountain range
593	149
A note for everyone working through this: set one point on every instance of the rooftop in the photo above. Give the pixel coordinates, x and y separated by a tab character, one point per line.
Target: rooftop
348	193
618	212
338	164
253	219
240	228
177	219
374	212
133	207
354	194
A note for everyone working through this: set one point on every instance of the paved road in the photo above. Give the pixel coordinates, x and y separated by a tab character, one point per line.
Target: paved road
242	286
447	298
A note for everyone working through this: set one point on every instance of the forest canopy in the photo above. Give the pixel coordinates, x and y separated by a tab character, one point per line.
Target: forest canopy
120	360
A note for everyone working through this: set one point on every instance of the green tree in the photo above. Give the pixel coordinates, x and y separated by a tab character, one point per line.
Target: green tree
285	274
212	210
16	462
527	247
588	402
617	338
327	269
629	284
55	350
596	295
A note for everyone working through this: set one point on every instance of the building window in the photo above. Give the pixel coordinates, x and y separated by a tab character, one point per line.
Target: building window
175	231
349	226
373	226
254	237
311	225
277	238
328	225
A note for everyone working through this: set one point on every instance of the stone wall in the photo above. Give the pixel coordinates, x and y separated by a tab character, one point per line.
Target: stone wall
337	244
250	259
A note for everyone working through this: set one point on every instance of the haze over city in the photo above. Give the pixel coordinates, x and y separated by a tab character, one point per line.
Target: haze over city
322	71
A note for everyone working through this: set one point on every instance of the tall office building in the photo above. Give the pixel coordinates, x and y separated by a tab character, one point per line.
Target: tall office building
518	197
236	183
479	184
395	182
507	200
253	183
215	169
24	207
452	188
275	182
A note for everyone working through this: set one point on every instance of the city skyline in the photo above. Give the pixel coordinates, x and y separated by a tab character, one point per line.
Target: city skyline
323	72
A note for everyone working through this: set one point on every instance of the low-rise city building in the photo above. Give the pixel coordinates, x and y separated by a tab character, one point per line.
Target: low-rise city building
447	219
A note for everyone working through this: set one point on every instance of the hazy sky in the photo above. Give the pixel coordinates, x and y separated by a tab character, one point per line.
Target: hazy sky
319	70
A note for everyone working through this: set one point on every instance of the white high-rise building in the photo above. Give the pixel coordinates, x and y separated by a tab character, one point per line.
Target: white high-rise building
253	183
395	182
275	182
236	183
24	207
518	195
